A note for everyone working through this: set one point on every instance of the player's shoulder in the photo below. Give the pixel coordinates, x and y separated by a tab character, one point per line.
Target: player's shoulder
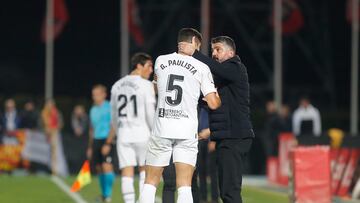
165	56
200	65
117	84
144	82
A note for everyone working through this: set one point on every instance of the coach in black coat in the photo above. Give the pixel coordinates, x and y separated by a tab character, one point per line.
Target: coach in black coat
230	124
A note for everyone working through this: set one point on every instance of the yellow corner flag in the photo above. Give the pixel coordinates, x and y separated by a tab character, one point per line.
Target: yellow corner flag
83	178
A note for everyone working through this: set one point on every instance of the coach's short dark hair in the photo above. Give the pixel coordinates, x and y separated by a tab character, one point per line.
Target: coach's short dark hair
186	35
224	40
139	58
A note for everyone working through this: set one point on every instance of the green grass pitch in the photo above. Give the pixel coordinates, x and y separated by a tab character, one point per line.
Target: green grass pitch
33	189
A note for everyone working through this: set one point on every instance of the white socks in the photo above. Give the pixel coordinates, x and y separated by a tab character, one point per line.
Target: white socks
148	194
184	195
127	189
141	180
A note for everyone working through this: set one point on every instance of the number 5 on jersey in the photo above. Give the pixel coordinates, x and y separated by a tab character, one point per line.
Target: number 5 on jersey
171	86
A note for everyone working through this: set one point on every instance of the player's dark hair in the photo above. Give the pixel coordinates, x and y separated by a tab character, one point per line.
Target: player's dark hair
100	86
139	58
224	40
186	35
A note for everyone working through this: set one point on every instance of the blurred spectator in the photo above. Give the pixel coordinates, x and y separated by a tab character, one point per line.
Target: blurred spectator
79	121
10	120
272	129
285	119
52	121
30	116
306	119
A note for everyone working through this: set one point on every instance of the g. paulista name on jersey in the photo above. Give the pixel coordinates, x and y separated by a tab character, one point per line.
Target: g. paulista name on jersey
181	63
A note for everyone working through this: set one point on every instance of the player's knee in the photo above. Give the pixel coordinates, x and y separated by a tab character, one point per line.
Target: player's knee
127	171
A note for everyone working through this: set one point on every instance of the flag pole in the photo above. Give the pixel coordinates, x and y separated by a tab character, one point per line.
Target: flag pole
354	111
277	53
49	58
205	25
124	42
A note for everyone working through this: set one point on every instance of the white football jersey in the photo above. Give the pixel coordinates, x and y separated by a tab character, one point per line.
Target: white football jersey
133	108
180	79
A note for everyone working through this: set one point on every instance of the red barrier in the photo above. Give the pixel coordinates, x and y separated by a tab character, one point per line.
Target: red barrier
311	174
334	153
339	169
272	169
287	142
344	186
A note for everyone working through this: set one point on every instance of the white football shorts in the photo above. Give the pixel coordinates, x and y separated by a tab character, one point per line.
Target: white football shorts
160	150
131	154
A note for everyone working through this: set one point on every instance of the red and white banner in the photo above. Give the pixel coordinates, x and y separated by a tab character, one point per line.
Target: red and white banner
344	186
339	169
287	142
311	174
272	169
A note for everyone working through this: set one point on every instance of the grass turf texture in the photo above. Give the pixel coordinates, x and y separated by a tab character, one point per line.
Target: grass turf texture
33	189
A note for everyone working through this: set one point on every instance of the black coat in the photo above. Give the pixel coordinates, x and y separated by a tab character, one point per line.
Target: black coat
232	119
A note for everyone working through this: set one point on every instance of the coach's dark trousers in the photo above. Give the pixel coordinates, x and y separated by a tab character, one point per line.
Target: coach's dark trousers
230	154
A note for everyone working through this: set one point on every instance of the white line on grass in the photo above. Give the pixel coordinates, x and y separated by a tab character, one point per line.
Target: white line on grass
64	187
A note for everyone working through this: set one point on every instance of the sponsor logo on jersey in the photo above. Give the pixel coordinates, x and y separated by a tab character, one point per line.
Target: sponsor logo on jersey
172	113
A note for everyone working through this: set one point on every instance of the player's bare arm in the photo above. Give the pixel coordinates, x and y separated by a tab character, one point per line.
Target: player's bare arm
213	100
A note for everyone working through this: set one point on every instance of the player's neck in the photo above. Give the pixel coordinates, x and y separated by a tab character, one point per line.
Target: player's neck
135	73
181	53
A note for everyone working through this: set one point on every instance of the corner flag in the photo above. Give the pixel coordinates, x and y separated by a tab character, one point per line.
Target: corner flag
83	178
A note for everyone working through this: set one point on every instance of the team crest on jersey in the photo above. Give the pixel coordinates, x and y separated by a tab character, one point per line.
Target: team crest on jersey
161	112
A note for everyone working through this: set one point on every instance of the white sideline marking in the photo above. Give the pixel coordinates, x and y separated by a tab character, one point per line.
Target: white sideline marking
64	187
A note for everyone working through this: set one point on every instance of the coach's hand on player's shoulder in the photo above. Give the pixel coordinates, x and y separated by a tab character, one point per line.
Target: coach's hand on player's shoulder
89	153
105	150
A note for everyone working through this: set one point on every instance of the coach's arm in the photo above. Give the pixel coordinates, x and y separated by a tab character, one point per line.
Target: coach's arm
227	71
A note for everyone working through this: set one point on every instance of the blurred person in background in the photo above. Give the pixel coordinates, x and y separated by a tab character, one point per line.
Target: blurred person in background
52	122
30	116
79	121
272	129
285	119
10	120
306	119
101	136
133	109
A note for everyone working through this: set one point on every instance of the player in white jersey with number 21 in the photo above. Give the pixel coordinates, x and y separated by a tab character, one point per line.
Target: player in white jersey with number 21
133	108
180	79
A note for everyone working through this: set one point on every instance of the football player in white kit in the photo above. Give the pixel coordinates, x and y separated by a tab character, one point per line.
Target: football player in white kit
133	108
180	79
